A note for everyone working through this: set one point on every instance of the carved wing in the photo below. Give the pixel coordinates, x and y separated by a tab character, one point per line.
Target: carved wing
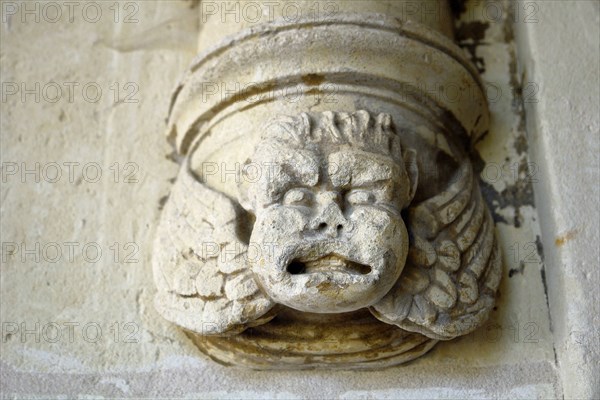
204	283
448	285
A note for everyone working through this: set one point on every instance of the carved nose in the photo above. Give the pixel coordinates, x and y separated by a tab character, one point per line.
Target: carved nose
330	221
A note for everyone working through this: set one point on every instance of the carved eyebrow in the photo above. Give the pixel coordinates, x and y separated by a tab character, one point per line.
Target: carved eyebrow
285	176
372	175
364	174
292	170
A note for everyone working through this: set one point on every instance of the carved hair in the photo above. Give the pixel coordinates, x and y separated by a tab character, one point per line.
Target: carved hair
358	129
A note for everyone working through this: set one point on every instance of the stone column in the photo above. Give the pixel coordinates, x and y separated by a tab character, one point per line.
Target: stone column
220	19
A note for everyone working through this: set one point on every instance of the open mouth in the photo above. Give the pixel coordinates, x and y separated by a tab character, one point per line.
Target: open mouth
328	263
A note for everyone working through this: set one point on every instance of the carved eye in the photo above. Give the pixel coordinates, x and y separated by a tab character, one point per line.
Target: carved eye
298	197
360	196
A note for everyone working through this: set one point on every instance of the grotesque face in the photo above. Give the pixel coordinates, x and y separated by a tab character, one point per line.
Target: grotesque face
327	192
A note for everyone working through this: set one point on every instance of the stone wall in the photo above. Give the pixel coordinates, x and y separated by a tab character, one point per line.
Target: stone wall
76	282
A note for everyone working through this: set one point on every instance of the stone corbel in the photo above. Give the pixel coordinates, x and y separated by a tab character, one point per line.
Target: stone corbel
326	213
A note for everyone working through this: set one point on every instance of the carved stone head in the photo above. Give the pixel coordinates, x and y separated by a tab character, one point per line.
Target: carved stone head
327	191
333	232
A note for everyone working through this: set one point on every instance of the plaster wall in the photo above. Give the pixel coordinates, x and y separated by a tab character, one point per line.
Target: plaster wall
564	139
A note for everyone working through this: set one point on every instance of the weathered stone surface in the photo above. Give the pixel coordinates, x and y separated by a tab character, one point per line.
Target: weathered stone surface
318	194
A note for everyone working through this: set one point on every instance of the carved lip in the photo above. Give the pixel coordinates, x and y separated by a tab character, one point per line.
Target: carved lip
329	263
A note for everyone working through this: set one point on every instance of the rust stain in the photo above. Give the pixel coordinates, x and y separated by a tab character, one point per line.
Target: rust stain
324	285
561	240
312	79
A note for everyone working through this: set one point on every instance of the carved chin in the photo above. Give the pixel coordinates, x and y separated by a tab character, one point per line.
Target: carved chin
329	283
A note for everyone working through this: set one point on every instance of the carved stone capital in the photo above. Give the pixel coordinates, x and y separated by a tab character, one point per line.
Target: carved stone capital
326	213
